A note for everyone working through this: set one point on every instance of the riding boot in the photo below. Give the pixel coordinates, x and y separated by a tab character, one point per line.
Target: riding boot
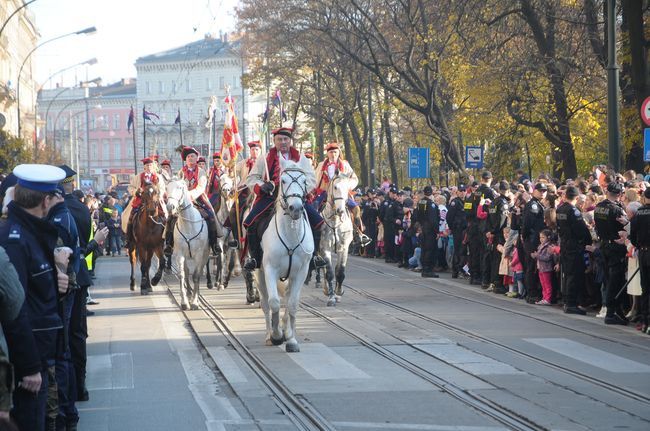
213	237
319	262
169	236
254	249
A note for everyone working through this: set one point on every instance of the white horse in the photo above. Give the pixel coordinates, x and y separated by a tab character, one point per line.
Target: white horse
191	245
336	235
288	245
227	263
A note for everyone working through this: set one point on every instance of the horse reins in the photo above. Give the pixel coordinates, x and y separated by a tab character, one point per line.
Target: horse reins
284	199
186	239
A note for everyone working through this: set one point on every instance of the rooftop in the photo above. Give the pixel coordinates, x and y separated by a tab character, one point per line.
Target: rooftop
208	47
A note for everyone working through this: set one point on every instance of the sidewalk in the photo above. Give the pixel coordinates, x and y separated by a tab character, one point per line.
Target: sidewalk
145	370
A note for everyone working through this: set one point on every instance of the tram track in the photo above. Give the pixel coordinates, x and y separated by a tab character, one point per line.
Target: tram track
497	307
301	413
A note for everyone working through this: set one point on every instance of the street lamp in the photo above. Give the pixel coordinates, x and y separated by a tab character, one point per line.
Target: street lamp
18	9
96	81
89	30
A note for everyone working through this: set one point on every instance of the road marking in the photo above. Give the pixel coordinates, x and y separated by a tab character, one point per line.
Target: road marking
589	355
322	363
201	379
470	361
417	427
227	365
112	371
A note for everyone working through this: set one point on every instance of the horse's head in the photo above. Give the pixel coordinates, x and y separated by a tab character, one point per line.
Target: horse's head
293	188
150	198
338	192
176	190
226	185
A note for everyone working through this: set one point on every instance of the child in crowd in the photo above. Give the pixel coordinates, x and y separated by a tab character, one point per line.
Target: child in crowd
114	225
546	265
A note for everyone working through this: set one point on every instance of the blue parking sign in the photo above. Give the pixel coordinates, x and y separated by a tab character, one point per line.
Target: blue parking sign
473	157
646	145
418	163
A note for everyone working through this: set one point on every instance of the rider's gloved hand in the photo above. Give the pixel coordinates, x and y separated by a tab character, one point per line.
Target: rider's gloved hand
267	188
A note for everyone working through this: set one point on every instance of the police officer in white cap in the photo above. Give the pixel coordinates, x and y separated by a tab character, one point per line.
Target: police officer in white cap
30	241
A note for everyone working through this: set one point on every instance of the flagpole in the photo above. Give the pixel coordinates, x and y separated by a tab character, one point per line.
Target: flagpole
180	129
213	140
135	160
144	134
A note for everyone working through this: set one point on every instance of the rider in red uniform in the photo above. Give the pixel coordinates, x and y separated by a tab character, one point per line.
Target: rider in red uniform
138	183
216	171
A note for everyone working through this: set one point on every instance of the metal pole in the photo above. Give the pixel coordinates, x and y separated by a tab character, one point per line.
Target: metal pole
86	94
371	140
613	131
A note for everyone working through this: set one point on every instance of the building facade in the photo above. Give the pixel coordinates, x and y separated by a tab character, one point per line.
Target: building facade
186	80
17	40
87	128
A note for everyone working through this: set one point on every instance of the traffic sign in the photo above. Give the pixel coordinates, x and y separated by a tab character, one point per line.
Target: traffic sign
418	163
645	111
473	157
646	145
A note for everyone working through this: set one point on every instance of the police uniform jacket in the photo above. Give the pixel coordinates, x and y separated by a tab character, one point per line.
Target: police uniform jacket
428	215
61	217
572	229
456	216
81	215
390	214
532	222
606	214
498	217
31	337
640	229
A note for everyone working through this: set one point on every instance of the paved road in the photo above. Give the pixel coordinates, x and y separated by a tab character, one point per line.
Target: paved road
398	353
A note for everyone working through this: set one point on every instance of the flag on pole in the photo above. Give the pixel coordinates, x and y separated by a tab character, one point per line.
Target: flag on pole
147	115
129	122
231	140
178	117
277	99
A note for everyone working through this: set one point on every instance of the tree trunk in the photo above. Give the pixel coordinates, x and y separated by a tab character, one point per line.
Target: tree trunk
346	142
390	150
359	143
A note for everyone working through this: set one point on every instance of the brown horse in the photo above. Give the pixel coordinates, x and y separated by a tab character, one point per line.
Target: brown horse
147	239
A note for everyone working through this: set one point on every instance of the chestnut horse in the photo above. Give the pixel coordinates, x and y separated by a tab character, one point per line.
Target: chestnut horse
148	239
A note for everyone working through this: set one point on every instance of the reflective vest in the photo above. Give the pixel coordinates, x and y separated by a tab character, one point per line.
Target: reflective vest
89	257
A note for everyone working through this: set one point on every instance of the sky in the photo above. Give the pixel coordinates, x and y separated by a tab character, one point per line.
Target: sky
126	30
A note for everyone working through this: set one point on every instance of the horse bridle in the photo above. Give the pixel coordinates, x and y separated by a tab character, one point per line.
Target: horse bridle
294	180
179	211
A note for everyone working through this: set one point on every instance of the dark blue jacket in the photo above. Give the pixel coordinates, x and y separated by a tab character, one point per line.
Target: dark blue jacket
31	337
61	217
81	215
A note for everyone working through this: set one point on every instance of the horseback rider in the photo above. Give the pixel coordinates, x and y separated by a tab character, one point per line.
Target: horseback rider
214	186
138	184
166	170
202	163
242	170
196	180
325	171
266	190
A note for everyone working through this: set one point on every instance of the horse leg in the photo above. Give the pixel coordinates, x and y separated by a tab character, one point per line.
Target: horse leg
328	289
340	272
264	303
133	260
208	276
309	272
219	268
161	266
196	280
292	296
145	263
271	279
182	275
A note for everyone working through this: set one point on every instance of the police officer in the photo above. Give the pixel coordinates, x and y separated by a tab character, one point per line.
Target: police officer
428	216
532	224
574	236
474	242
610	219
497	221
457	222
389	217
640	238
369	216
29	240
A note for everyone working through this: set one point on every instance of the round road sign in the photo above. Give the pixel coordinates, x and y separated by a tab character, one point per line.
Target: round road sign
645	111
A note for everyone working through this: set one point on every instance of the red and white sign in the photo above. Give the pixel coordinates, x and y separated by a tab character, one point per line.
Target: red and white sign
645	111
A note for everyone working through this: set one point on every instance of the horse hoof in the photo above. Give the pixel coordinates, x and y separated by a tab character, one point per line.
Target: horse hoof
183	307
132	287
210	285
237	273
257	297
292	347
156	280
220	287
144	292
338	298
339	292
194	307
250	299
277	342
331	301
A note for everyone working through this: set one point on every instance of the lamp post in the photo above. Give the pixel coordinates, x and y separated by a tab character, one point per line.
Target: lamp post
613	132
90	62
18	9
89	30
82	99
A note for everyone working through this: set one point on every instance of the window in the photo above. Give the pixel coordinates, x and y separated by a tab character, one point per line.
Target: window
106	149
148	87
174	87
94	150
221	82
93	122
116	122
161	87
208	84
188	85
117	149
104	121
129	151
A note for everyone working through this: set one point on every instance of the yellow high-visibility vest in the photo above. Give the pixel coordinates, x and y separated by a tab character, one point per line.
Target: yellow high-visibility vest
89	257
